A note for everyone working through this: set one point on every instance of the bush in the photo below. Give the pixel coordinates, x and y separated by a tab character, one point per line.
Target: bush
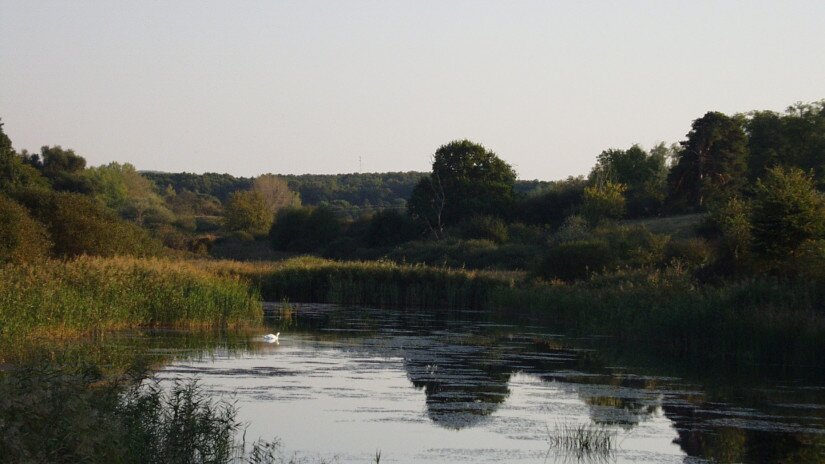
79	225
388	228
576	260
693	252
573	228
304	229
605	201
247	211
526	234
603	249
22	239
484	228
787	211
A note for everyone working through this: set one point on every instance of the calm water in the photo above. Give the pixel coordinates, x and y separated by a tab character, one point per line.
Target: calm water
345	382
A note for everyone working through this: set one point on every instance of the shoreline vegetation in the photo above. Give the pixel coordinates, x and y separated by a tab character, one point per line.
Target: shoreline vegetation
57	299
665	311
766	319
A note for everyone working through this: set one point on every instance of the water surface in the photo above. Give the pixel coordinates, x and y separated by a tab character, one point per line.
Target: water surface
461	387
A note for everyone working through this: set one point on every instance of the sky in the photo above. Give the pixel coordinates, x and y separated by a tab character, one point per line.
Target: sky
306	86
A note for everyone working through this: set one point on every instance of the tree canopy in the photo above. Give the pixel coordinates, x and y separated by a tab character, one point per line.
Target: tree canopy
466	180
712	162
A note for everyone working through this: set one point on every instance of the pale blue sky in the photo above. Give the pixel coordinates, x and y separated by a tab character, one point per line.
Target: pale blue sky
251	87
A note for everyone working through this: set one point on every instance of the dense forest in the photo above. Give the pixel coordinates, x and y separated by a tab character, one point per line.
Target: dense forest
349	195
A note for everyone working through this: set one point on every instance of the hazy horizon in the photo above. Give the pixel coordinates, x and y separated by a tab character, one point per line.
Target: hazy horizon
317	87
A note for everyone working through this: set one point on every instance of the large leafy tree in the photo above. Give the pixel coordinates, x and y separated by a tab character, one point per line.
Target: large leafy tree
466	180
644	175
15	173
275	192
796	138
711	165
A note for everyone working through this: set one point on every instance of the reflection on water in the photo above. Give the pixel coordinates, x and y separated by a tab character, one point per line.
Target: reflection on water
425	387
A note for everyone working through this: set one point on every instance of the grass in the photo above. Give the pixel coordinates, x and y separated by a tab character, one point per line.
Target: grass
375	283
584	441
51	416
680	227
757	320
56	299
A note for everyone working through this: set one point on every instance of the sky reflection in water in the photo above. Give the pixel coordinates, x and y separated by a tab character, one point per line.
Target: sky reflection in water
344	382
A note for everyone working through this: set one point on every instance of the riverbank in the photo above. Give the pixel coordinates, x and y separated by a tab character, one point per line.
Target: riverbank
54	299
766	320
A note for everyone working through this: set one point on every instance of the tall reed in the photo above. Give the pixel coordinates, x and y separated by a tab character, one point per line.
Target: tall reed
376	283
656	310
87	294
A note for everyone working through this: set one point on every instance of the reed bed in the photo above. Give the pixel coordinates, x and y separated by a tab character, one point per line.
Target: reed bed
65	298
656	310
375	283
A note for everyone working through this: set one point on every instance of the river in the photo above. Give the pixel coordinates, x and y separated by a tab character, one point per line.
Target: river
442	387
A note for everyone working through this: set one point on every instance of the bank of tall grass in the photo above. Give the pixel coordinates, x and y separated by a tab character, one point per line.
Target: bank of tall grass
87	294
665	311
376	283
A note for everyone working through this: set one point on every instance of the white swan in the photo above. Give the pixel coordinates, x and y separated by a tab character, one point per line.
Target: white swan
269	338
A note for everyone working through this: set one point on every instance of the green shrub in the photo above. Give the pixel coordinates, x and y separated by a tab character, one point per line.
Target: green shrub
388	228
484	228
787	211
574	228
304	229
576	260
606	248
526	234
247	211
693	252
604	201
22	239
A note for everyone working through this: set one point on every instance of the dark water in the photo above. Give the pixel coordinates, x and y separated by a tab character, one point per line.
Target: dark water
461	387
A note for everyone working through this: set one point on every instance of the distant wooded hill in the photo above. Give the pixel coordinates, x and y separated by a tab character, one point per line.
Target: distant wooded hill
343	192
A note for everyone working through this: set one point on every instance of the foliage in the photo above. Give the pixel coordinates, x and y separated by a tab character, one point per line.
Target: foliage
603	250
388	228
576	260
125	190
79	225
552	203
212	184
574	228
711	165
15	173
731	226
793	139
64	169
604	201
92	294
692	252
787	211
50	415
644	174
466	180
22	239
304	229
485	228
275	192
247	211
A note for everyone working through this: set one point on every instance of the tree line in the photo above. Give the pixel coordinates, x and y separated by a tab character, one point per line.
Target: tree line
755	179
